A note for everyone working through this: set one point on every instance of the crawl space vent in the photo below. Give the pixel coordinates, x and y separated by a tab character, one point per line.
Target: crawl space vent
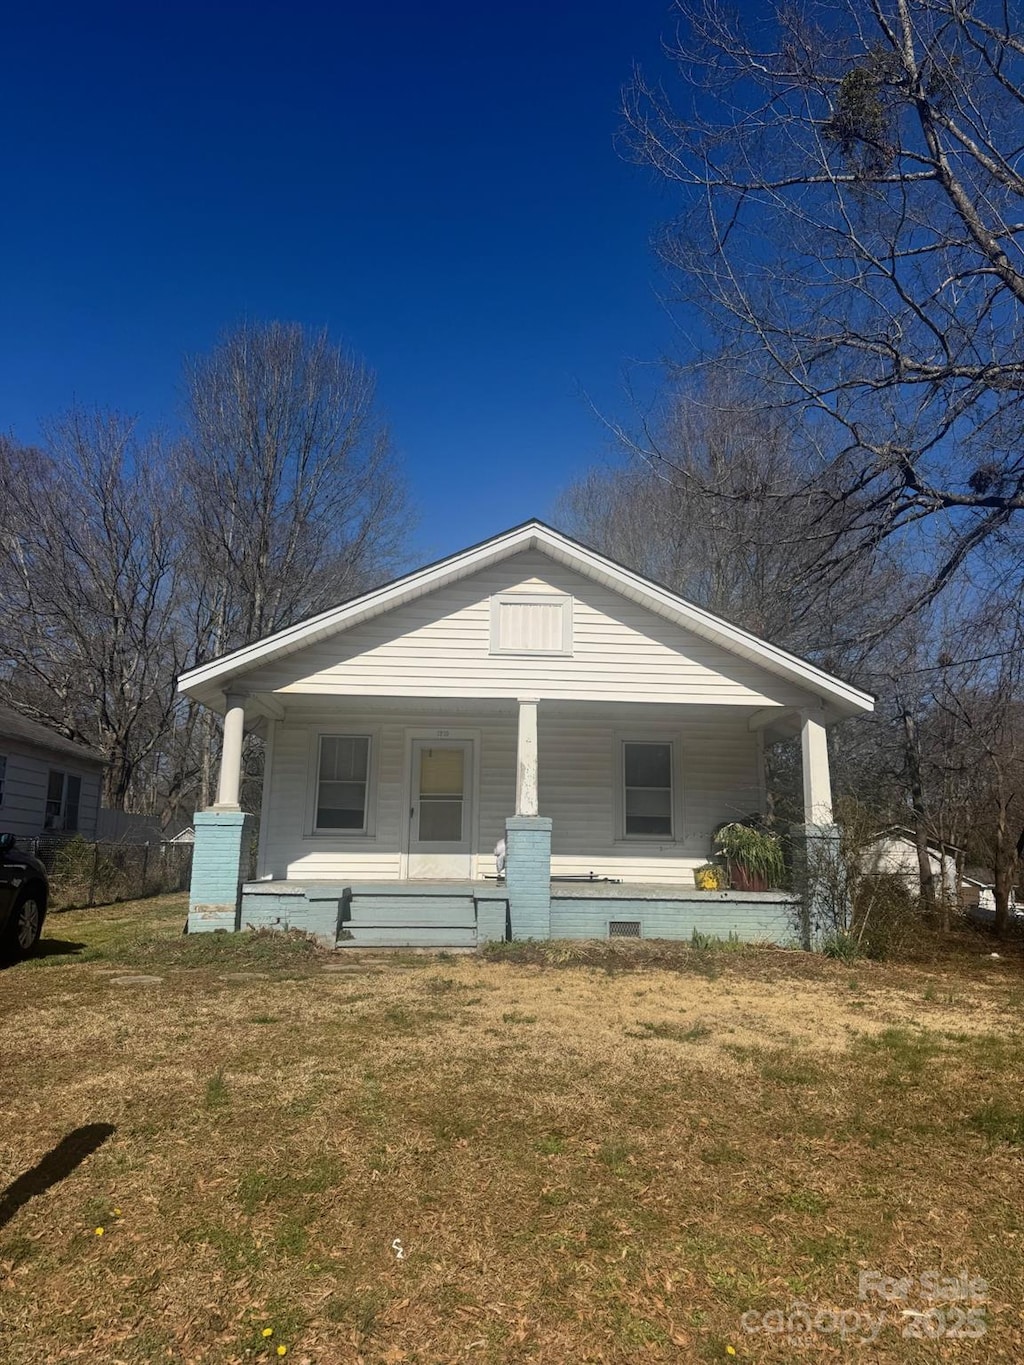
624	928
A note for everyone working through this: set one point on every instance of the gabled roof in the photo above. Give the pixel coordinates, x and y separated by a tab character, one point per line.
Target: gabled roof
207	682
13	725
906	835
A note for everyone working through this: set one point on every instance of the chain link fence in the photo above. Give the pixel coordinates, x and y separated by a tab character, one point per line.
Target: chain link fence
83	873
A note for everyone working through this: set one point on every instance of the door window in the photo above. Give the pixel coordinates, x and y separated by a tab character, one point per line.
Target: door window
441	795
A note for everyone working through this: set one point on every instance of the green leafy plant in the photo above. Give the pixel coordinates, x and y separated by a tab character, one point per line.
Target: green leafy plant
841	947
757	852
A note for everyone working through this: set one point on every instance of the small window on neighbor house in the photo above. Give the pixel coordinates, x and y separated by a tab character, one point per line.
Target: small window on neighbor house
343	777
63	799
531	623
647	779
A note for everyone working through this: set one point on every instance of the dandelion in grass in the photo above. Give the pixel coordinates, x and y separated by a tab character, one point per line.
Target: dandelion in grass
730	1350
117	1213
99	1232
282	1350
268	1331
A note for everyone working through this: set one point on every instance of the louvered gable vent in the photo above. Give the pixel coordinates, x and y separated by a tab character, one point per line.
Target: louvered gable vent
531	623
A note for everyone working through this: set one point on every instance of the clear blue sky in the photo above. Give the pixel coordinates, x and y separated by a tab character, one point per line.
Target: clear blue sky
435	183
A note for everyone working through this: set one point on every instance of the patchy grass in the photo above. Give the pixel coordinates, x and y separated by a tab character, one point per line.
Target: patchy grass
585	1153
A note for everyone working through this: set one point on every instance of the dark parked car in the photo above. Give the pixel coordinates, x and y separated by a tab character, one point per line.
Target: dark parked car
23	894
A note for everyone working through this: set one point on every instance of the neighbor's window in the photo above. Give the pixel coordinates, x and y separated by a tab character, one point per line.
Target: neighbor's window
343	777
647	778
3	777
531	623
63	798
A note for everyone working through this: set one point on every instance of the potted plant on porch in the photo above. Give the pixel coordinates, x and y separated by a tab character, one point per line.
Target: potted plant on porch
752	854
711	877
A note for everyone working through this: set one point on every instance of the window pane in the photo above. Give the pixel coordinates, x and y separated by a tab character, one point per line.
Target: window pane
342	785
649	824
72	802
440	820
648	811
54	800
341	805
648	765
344	758
441	772
648	801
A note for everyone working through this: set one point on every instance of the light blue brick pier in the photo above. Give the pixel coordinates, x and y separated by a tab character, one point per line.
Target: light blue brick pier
220	860
528	875
820	876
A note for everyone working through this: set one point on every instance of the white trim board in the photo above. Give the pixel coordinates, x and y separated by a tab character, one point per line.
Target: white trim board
207	682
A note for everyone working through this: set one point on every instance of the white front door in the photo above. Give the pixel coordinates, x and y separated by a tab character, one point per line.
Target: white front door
441	809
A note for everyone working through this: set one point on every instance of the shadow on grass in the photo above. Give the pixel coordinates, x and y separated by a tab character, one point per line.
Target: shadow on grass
54	1167
58	947
45	948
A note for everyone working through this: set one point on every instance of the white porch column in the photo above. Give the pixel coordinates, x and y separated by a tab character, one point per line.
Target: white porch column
817	782
230	779
526	758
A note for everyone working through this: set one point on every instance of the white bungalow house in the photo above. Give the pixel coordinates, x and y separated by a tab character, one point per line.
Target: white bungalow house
526	688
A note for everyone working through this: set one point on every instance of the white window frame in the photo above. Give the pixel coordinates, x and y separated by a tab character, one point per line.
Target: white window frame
524	599
369	830
60	826
675	793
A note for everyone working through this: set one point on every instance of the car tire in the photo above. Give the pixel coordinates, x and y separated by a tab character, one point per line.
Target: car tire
25	926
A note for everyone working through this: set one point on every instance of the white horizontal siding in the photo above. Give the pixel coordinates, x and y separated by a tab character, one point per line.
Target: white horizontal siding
719	779
440	645
717	775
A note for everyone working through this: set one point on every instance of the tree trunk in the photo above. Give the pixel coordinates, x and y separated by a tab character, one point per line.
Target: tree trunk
1004	867
924	860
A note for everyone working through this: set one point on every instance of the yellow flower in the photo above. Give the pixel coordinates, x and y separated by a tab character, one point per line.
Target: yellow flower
99	1232
268	1331
282	1350
117	1213
730	1350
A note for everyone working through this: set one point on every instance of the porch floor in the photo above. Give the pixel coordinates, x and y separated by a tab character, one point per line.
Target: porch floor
492	890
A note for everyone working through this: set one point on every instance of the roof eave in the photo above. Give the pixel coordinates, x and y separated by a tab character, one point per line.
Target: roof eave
208	682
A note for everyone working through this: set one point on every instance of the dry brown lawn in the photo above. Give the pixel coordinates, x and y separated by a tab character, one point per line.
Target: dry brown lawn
582	1156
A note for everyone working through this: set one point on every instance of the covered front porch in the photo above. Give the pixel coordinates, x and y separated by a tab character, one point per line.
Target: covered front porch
607	858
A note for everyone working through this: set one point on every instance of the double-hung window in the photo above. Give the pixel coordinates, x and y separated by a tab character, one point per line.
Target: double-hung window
647	799
63	798
343	784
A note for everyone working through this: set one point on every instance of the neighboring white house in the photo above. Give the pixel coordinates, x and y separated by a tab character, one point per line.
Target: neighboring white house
894	851
48	784
527	676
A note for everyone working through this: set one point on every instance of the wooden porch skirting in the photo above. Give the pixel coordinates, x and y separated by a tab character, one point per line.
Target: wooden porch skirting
449	914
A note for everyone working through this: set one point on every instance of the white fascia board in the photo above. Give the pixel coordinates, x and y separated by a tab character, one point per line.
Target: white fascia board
208	679
704	623
370	604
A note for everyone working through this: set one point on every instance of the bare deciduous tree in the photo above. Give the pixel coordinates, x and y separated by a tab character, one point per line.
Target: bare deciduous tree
293	497
852	226
89	559
123	562
722	503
